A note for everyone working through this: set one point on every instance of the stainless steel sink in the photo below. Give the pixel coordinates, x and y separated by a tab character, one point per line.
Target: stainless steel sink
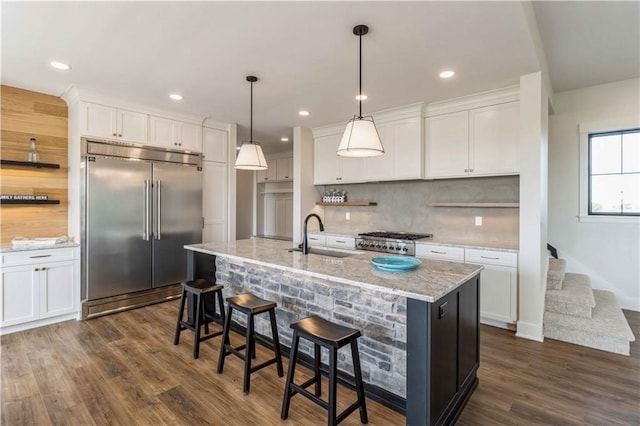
327	252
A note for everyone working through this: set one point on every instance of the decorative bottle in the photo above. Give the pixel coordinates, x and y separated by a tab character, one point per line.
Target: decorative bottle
32	155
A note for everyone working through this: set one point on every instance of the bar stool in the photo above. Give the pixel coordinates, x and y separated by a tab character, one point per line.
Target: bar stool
199	288
323	333
250	305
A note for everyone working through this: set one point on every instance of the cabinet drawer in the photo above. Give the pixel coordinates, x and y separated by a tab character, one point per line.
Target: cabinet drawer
317	239
490	257
344	242
431	251
28	257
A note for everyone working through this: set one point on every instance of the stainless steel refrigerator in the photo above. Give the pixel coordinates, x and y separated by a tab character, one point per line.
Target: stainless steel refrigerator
140	207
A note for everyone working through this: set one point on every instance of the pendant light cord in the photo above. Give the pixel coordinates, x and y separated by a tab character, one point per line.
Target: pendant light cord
360	75
251	117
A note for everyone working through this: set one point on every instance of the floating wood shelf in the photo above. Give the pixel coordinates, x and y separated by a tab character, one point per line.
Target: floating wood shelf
30	164
498	205
348	203
29	202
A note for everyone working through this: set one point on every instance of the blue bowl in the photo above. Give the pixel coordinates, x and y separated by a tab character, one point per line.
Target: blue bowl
395	263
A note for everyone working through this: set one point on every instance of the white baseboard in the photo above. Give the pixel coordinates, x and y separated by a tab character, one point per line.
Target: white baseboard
496	323
531	331
39	323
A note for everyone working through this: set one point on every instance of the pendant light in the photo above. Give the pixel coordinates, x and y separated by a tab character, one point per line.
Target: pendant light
360	138
250	156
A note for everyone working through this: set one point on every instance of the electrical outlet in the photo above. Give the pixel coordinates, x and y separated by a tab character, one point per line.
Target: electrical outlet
347	216
478	220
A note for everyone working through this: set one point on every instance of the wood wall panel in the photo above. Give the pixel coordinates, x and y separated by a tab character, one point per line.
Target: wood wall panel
26	115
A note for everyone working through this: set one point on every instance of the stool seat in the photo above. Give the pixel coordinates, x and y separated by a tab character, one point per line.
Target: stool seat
317	328
250	303
202	286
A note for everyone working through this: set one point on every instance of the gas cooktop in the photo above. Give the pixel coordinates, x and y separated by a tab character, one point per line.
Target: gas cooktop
390	242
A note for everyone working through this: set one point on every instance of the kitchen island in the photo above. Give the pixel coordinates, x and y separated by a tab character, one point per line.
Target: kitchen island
420	343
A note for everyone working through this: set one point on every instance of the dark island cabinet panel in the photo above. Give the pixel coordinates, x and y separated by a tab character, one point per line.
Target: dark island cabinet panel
442	355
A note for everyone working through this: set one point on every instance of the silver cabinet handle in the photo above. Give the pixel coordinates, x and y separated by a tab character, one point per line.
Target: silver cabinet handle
145	213
489	257
341	241
438	252
158	209
42	255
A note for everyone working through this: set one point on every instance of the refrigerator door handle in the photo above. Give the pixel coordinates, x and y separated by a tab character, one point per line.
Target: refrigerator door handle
158	210
145	214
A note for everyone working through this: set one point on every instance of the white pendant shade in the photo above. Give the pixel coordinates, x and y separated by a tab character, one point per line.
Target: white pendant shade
360	139
250	157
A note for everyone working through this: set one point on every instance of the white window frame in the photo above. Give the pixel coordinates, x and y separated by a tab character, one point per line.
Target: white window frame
599	127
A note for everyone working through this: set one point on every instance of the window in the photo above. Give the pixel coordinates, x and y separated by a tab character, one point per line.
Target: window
609	190
614	173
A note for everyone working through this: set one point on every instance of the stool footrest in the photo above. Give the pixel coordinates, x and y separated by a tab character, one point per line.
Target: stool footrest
263	364
298	389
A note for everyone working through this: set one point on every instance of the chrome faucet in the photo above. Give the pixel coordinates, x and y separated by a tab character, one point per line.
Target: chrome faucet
305	243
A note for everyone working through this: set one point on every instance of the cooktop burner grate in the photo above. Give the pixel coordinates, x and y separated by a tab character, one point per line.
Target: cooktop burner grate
396	235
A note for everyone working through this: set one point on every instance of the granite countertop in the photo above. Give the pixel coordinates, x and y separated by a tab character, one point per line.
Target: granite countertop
11	249
432	280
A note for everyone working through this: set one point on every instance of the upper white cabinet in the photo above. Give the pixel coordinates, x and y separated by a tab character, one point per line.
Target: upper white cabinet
174	134
280	169
112	123
476	142
329	168
214	145
403	156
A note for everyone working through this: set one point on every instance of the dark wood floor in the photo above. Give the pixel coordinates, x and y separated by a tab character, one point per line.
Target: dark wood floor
123	370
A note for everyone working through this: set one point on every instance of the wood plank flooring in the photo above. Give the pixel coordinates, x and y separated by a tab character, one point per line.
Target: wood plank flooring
123	369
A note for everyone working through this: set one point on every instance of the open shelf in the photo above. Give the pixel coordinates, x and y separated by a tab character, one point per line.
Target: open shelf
348	203
498	205
278	191
29	201
29	164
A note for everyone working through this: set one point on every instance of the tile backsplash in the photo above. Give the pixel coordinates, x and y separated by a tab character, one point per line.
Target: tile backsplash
405	206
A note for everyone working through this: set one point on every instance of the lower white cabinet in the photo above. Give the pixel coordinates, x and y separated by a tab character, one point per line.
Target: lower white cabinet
340	241
38	287
278	217
498	279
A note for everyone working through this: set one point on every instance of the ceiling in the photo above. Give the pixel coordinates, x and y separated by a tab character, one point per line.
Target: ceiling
305	54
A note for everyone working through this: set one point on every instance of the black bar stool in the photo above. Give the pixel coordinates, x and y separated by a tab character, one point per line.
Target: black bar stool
323	333
250	305
199	288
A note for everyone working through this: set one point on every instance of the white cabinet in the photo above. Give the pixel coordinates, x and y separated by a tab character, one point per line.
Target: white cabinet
38	287
280	169
316	239
498	284
214	145
433	251
329	168
278	216
403	157
340	241
214	201
112	123
478	142
174	134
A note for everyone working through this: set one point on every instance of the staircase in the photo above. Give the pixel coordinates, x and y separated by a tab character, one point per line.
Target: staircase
577	314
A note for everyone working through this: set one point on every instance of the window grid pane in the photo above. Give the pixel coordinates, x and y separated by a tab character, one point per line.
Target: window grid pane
614	173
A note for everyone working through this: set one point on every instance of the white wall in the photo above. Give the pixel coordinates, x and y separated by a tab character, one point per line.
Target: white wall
244	203
608	252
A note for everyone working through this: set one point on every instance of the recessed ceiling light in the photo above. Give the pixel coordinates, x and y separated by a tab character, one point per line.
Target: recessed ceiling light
176	97
447	74
303	113
361	97
60	65
238	148
284	139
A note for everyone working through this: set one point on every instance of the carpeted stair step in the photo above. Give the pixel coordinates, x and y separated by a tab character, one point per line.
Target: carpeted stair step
555	274
607	329
575	298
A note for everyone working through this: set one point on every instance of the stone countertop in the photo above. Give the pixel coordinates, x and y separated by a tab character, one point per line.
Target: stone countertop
11	249
429	282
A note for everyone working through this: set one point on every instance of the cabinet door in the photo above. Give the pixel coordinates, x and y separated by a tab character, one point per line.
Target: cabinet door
214	192
58	285
188	137
215	233
444	353
494	139
284	168
98	120
132	126
447	142
382	167
325	160
351	169
408	154
163	132
288	218
20	294
214	145
270	216
498	293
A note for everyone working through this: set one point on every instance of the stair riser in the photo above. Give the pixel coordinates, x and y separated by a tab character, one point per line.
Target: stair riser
568	309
